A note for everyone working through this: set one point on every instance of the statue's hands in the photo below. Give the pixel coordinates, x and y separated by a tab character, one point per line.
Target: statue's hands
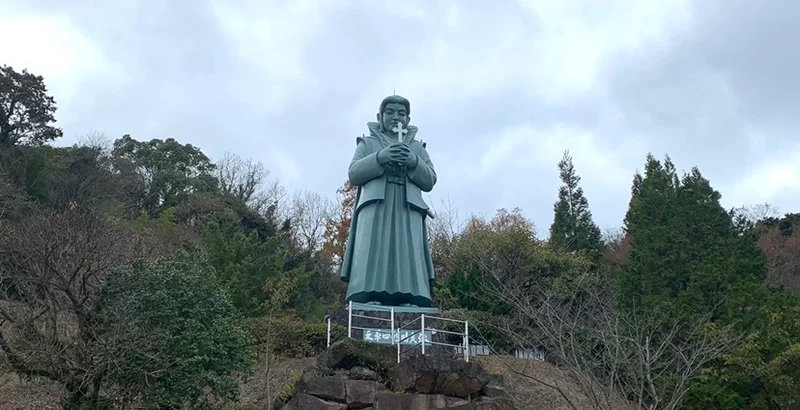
411	160
396	152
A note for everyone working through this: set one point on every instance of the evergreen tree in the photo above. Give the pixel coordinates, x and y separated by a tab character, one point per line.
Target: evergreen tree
687	251
573	228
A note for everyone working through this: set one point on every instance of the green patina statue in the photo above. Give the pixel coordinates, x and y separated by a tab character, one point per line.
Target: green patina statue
387	260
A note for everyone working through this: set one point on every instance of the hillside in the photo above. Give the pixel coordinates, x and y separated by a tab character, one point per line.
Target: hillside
144	272
16	394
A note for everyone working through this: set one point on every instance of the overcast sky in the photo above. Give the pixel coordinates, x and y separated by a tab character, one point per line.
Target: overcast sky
498	89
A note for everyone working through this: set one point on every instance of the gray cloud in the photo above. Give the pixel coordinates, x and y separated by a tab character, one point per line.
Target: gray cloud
499	91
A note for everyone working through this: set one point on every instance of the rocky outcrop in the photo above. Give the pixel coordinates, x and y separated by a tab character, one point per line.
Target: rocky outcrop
439	375
358	375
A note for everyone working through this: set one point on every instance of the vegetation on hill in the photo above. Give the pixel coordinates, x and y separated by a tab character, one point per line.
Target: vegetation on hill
145	272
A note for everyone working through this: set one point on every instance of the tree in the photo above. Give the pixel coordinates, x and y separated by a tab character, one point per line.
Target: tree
309	215
190	345
337	227
246	181
691	257
502	249
618	359
780	241
53	266
162	173
687	252
26	110
243	262
573	228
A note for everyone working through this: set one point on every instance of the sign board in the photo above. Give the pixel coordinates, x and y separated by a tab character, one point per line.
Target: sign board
411	336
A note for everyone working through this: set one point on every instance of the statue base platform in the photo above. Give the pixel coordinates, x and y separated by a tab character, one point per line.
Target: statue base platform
373	323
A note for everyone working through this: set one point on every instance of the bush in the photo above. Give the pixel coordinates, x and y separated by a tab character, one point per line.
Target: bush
290	337
175	332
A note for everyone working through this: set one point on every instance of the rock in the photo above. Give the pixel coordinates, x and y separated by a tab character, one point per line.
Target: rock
485	403
303	401
326	388
438	375
349	353
399	401
361	393
494	391
362	373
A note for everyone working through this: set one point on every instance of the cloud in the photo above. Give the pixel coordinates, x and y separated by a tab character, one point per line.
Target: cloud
498	91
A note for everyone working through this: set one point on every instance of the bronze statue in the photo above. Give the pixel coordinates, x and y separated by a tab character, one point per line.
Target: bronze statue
387	260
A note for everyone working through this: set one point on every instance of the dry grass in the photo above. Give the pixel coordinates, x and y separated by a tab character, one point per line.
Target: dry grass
533	395
257	388
19	394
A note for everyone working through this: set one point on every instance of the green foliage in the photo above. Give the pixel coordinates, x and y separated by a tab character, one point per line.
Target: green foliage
502	252
26	110
484	327
288	391
243	262
160	174
764	371
687	252
188	342
573	228
289	336
689	257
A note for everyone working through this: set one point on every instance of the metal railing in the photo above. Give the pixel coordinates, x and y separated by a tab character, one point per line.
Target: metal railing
424	320
350	316
395	333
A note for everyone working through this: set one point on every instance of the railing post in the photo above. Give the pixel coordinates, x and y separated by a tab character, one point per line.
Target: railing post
350	320
466	341
329	332
423	333
391	314
398	348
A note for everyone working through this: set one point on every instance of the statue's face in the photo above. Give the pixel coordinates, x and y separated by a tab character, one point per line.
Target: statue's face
392	114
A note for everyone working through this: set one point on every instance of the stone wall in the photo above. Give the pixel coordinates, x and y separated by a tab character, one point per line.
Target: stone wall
357	375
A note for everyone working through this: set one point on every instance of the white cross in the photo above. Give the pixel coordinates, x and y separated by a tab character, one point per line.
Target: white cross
400	131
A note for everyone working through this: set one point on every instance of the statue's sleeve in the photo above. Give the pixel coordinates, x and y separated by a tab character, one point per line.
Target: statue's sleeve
365	166
423	175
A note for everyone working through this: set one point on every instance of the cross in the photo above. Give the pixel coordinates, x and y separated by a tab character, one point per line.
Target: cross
400	131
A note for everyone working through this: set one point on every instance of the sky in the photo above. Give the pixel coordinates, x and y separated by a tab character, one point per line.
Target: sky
498	89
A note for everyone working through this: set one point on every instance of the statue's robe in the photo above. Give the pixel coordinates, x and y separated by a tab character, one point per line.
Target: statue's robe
388	258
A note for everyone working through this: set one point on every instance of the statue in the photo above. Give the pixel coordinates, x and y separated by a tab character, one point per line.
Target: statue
387	260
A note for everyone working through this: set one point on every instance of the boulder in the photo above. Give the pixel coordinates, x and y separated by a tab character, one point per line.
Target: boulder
326	388
303	401
399	401
361	393
439	375
349	353
485	403
362	373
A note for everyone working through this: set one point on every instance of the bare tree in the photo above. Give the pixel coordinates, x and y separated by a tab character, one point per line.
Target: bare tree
52	268
443	232
758	212
247	181
309	213
635	360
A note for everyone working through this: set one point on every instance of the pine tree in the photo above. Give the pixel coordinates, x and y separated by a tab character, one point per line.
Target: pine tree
573	228
687	250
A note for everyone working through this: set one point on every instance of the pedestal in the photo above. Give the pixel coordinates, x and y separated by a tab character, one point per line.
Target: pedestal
373	323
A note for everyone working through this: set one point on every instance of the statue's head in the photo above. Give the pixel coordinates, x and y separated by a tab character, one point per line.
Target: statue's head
394	109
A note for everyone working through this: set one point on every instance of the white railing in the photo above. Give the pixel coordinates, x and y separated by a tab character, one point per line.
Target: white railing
395	333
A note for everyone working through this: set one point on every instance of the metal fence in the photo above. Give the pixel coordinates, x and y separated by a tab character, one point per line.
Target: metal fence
413	334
